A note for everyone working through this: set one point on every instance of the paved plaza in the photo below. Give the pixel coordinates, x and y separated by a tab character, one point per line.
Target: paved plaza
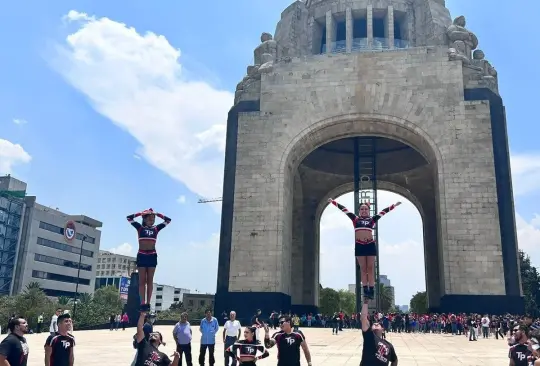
104	348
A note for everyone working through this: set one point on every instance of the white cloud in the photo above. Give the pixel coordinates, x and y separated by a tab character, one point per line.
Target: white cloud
19	121
123	249
528	234
181	199
137	81
10	155
525	173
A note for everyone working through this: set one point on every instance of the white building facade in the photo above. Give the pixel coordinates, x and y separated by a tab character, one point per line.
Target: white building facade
114	265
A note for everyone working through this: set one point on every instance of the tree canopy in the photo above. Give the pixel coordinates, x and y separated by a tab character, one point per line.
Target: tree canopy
419	303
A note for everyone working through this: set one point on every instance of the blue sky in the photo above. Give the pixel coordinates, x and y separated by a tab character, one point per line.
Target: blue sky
116	108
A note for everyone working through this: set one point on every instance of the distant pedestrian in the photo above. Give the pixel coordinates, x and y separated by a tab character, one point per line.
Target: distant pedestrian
53	328
125	321
40	323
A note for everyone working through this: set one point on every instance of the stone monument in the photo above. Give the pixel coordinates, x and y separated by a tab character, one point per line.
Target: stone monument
427	104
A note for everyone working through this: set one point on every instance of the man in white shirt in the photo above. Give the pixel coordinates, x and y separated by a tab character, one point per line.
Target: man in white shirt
485	326
53	328
231	333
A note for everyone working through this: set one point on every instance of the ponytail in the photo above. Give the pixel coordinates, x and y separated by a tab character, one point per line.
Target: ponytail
253	330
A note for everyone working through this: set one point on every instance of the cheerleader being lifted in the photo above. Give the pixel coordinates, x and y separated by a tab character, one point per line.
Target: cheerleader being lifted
365	248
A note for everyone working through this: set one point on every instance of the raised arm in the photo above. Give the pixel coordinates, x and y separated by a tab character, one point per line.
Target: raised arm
269	342
166	221
385	211
140	326
364	316
131	220
344	209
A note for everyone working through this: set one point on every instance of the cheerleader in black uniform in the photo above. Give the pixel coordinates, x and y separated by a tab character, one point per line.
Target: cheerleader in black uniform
365	248
245	350
147	255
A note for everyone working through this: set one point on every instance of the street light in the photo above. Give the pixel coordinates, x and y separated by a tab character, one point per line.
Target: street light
84	237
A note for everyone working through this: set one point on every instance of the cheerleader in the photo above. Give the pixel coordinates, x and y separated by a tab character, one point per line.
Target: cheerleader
147	255
365	247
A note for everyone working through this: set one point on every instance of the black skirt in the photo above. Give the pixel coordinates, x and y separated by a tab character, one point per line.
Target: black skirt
146	259
365	250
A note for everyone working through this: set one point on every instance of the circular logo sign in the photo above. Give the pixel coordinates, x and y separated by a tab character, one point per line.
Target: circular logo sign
70	231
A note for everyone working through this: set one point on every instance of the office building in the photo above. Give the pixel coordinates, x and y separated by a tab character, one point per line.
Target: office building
53	248
163	296
198	301
403	308
115	265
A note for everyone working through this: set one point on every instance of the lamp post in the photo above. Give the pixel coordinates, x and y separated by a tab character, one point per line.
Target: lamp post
84	237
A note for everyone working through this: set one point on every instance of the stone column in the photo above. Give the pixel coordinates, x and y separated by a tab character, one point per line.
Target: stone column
369	18
330	31
349	27
390	25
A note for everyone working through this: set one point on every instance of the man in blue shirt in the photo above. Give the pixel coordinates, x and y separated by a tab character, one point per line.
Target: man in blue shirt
209	328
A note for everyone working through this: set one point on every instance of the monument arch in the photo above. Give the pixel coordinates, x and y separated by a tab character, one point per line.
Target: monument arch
403	80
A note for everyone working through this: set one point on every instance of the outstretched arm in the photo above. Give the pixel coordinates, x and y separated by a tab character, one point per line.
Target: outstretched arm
385	211
166	221
343	209
131	220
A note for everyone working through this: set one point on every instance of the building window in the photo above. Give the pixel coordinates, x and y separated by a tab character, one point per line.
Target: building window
60	230
63	247
176	292
59	277
160	289
98	266
58	293
190	302
61	262
159	297
176	299
158	304
202	301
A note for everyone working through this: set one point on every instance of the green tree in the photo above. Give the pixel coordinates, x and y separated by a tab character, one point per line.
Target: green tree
64	301
347	301
177	306
530	282
85	298
328	301
419	303
385	298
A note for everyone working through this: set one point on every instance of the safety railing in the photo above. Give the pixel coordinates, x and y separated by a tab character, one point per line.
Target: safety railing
362	45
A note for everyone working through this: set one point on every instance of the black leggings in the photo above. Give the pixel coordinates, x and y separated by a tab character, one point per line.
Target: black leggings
248	363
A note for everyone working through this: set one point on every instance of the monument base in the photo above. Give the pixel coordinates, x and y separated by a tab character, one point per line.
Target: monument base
481	304
245	304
